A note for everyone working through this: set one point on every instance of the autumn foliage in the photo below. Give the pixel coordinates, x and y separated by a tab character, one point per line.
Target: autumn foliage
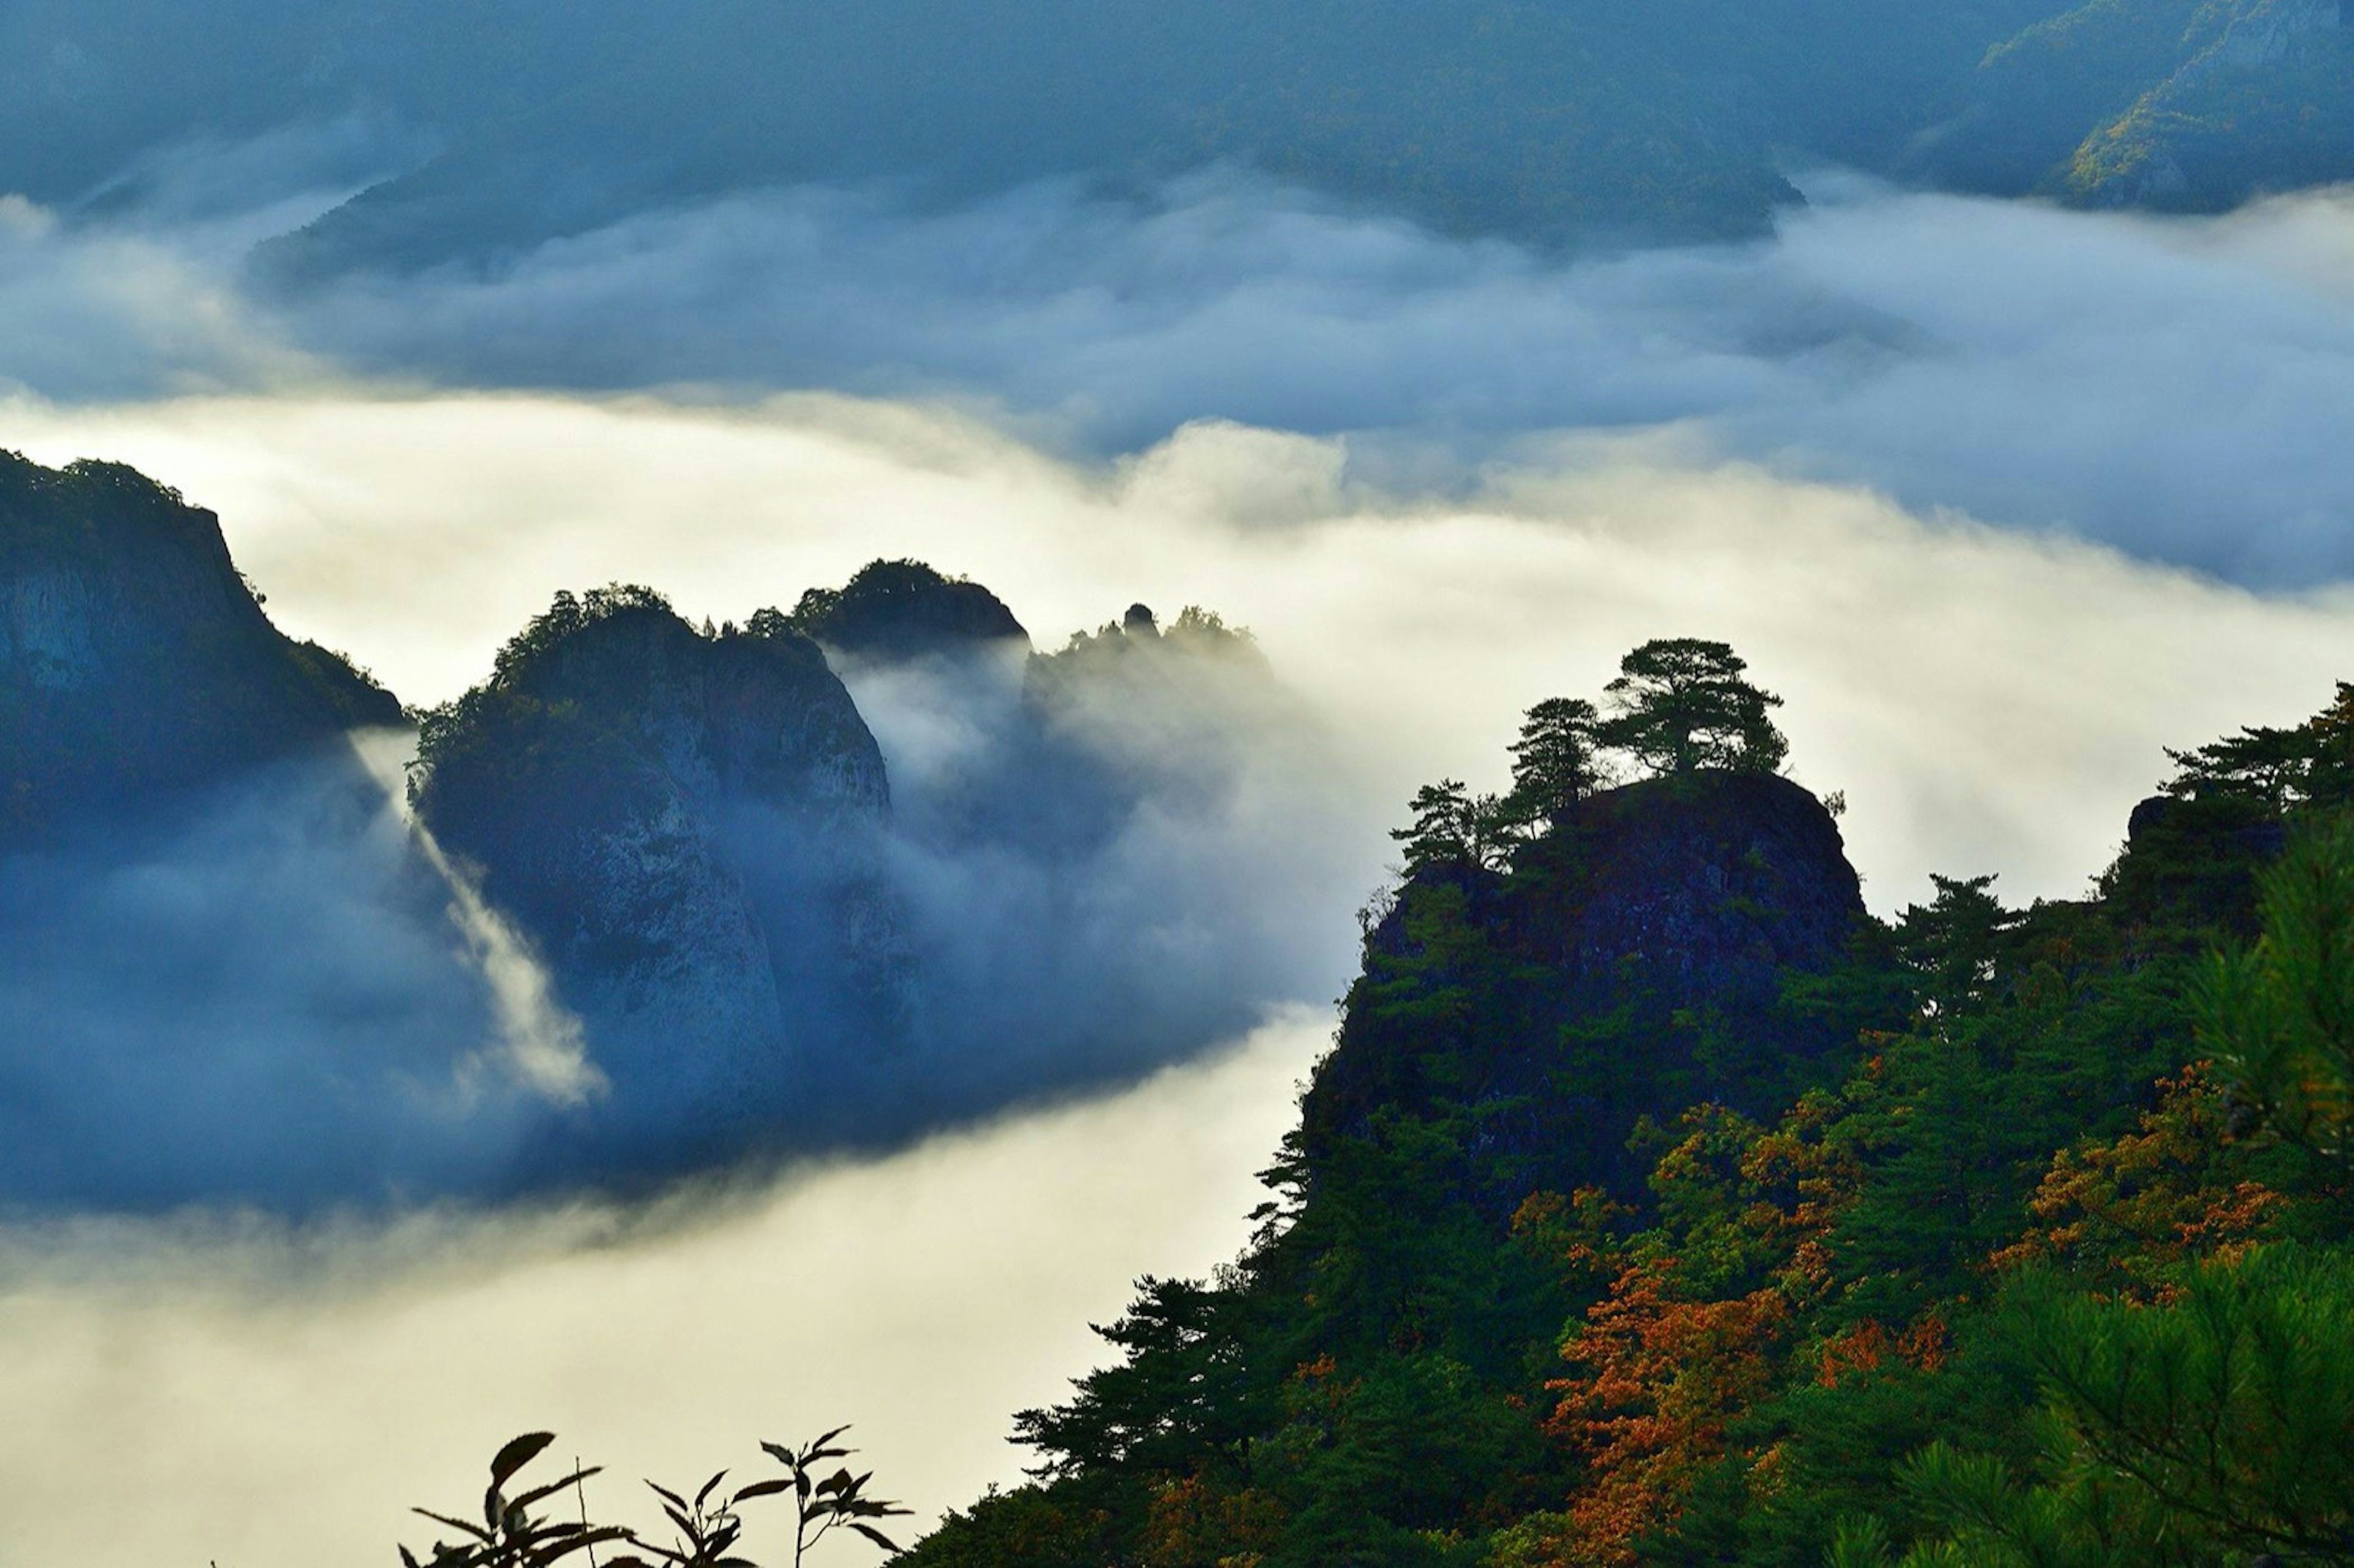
2044	1255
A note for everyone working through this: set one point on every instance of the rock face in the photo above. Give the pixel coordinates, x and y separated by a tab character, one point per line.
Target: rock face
1711	884
135	663
1633	961
687	825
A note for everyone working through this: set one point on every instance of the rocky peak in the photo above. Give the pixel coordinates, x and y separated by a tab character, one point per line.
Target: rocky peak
755	713
1702	877
895	611
687	827
135	661
1632	961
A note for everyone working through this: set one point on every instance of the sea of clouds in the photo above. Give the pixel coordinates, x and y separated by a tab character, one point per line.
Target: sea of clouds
2168	386
2002	500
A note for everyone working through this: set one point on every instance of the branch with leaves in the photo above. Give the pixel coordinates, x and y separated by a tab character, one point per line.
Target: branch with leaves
706	1526
510	1536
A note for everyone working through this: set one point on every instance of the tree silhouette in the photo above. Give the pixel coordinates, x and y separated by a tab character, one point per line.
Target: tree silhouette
1453	826
1679	703
1557	761
707	1526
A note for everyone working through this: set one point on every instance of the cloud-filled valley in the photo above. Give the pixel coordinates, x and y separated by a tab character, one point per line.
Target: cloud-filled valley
2003	499
1986	702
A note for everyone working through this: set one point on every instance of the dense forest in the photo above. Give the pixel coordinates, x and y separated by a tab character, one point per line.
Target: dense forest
1657	1203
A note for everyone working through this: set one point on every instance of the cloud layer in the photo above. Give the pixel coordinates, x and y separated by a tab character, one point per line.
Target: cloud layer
2166	386
1440	480
274	1397
261	998
1987	700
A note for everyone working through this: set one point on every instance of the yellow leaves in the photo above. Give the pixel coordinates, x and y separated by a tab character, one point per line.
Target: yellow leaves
2132	1209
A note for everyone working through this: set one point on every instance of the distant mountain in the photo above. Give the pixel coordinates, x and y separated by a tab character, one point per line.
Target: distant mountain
1546	119
848	871
136	663
691	828
2192	105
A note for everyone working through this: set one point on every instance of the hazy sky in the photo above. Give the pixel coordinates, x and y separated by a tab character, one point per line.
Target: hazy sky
2003	501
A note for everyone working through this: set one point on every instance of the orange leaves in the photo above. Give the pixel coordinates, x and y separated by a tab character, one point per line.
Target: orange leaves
2159	1196
1694	1329
1194	1524
1664	1380
1868	1346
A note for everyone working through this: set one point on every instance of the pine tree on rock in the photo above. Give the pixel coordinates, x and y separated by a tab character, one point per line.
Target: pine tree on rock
1557	762
1679	703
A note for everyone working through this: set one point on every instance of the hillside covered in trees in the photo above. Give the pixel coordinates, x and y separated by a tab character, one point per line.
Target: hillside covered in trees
1657	1203
1542	119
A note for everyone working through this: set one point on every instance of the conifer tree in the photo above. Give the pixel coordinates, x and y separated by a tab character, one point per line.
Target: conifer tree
1681	703
1557	762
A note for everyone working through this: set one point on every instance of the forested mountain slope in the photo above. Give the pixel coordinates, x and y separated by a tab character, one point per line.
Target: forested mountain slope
498	127
2183	104
1656	1204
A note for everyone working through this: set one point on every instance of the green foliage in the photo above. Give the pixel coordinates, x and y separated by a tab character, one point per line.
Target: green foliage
1954	944
2279	1015
1037	1527
2311	764
1453	827
2012	1280
1556	762
1180	1392
2227	1412
1682	703
2216	1425
1679	705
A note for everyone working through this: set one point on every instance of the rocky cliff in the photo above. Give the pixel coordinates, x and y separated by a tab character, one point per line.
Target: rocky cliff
894	612
1640	957
687	826
135	662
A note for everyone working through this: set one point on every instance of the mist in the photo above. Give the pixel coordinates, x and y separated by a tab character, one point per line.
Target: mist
267	1396
258	996
2167	386
2003	501
1114	858
1986	700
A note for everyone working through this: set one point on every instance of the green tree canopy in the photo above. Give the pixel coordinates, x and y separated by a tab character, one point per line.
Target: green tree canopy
1681	703
2280	1015
1453	825
1557	761
2306	765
